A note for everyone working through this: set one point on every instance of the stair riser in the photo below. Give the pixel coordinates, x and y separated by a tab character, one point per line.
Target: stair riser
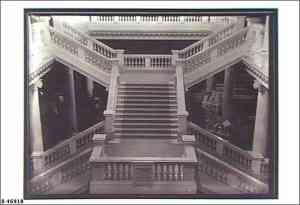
141	135
133	93
150	89
150	106
144	115
135	97
147	126
126	120
146	101
146	85
147	111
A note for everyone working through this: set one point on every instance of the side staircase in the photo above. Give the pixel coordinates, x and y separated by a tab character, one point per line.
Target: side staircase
146	110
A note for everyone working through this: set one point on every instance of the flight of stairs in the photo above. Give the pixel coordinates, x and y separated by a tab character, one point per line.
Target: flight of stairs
146	110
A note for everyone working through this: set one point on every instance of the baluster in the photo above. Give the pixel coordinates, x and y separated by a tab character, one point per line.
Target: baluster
181	172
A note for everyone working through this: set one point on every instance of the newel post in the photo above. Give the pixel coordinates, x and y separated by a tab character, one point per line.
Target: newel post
182	114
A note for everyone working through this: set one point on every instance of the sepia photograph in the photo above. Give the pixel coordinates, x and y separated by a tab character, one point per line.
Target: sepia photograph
151	103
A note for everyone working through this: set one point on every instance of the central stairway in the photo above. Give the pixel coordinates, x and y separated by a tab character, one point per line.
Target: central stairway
146	110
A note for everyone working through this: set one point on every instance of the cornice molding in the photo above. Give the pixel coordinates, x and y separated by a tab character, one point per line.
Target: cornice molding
134	35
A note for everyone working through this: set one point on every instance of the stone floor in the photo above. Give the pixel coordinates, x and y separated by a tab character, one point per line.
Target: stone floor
144	148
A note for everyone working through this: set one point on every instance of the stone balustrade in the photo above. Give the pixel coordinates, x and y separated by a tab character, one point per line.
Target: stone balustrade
74	167
85	40
160	171
207	42
80	51
213	52
147	61
118	171
68	147
163	19
249	162
168	172
228	175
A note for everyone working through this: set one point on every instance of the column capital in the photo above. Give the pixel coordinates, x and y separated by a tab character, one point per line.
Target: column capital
36	85
258	86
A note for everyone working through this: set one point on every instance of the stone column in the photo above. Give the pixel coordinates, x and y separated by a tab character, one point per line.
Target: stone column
90	87
73	113
36	135
210	84
266	34
260	138
227	94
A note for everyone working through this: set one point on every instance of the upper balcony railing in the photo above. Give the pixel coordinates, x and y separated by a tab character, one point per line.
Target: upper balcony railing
147	61
207	42
217	50
86	40
163	19
77	49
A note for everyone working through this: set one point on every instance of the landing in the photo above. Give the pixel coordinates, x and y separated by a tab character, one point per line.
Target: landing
144	148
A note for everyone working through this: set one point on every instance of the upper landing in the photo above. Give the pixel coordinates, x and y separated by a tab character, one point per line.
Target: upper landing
154	27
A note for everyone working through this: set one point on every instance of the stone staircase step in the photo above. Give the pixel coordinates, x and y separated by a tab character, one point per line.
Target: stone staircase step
147	101
145	130
169	84
146	96
148	88
145	110
147	92
145	120
145	115
145	125
145	135
152	105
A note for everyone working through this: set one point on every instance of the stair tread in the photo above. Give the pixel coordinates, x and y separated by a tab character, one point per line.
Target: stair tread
147	100
147	114
146	84
137	87
152	105
146	123
142	92
146	134
146	96
138	109
148	119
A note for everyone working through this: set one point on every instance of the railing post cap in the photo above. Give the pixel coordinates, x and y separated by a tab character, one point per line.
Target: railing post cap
183	113
119	51
37	154
108	112
99	137
188	138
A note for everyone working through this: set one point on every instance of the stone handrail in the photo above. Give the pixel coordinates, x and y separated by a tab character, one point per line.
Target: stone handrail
163	19
86	40
74	167
225	173
216	51
207	42
147	61
80	51
252	163
68	147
